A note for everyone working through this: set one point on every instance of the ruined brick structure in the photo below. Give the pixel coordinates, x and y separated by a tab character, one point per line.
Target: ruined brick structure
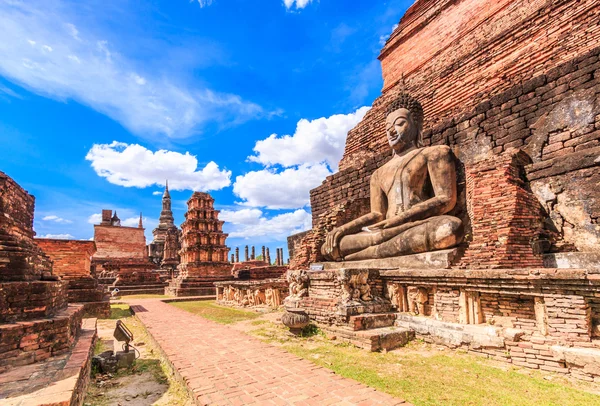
116	242
122	258
204	255
164	248
71	260
514	89
35	320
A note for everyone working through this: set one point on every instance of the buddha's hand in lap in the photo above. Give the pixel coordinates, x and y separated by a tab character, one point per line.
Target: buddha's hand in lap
332	242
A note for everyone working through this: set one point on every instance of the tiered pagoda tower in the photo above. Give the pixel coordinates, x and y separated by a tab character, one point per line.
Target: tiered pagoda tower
163	250
204	255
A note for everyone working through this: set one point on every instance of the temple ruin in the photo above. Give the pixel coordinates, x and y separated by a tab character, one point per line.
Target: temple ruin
164	248
204	255
255	283
37	322
479	230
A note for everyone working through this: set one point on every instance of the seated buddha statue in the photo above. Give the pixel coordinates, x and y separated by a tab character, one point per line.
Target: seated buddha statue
411	196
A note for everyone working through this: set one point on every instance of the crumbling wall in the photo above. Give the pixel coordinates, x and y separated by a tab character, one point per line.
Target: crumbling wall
452	55
71	259
119	242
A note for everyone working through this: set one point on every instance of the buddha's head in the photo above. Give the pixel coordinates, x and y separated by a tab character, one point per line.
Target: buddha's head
404	122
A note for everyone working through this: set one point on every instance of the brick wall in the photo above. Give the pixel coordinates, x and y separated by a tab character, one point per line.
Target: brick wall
455	54
119	242
20	258
554	117
31	300
71	259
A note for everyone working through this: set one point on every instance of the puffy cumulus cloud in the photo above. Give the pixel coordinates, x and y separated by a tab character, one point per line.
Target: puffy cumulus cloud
251	223
314	142
56	219
243	216
95	218
299	4
48	48
286	189
132	165
58	236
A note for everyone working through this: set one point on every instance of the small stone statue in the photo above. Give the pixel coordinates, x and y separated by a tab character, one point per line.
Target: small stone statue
298	283
417	298
410	197
355	286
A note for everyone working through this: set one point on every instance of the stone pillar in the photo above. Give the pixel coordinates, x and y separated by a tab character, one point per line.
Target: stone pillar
246	253
268	256
277	258
253	254
264	257
232	258
237	254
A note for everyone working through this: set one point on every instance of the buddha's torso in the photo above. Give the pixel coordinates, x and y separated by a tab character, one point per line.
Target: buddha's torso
405	181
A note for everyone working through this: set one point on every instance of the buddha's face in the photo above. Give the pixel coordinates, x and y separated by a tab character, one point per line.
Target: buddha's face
400	129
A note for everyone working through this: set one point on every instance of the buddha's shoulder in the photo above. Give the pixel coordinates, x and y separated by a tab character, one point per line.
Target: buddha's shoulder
436	151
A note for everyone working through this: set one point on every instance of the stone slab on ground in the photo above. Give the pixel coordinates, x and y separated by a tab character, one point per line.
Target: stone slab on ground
58	381
442	259
223	366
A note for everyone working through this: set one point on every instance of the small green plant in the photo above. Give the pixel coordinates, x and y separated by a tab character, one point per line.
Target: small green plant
310	331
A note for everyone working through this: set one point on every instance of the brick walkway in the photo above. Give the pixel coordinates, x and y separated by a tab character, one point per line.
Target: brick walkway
223	366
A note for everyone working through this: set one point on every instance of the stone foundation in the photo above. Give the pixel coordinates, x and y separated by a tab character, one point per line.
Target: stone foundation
31	300
253	293
27	342
545	319
59	380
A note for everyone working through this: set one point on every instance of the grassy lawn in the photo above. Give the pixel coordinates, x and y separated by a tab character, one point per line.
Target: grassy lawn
221	314
426	375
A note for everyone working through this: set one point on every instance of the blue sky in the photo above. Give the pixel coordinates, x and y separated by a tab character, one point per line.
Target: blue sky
100	102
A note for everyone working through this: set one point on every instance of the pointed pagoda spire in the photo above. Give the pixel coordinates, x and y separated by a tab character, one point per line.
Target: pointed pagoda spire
140	224
166	194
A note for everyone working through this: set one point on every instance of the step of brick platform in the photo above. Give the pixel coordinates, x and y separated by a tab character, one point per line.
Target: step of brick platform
158	289
368	321
58	380
377	339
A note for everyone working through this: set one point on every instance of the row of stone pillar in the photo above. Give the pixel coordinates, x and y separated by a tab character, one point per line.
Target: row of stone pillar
266	255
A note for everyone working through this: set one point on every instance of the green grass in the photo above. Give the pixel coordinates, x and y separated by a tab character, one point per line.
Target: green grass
221	314
119	311
425	376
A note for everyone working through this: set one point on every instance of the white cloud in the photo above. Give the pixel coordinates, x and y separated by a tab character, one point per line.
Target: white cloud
157	193
132	165
314	142
383	38
204	3
44	49
56	219
8	92
58	236
133	221
251	223
287	189
95	218
300	4
243	216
